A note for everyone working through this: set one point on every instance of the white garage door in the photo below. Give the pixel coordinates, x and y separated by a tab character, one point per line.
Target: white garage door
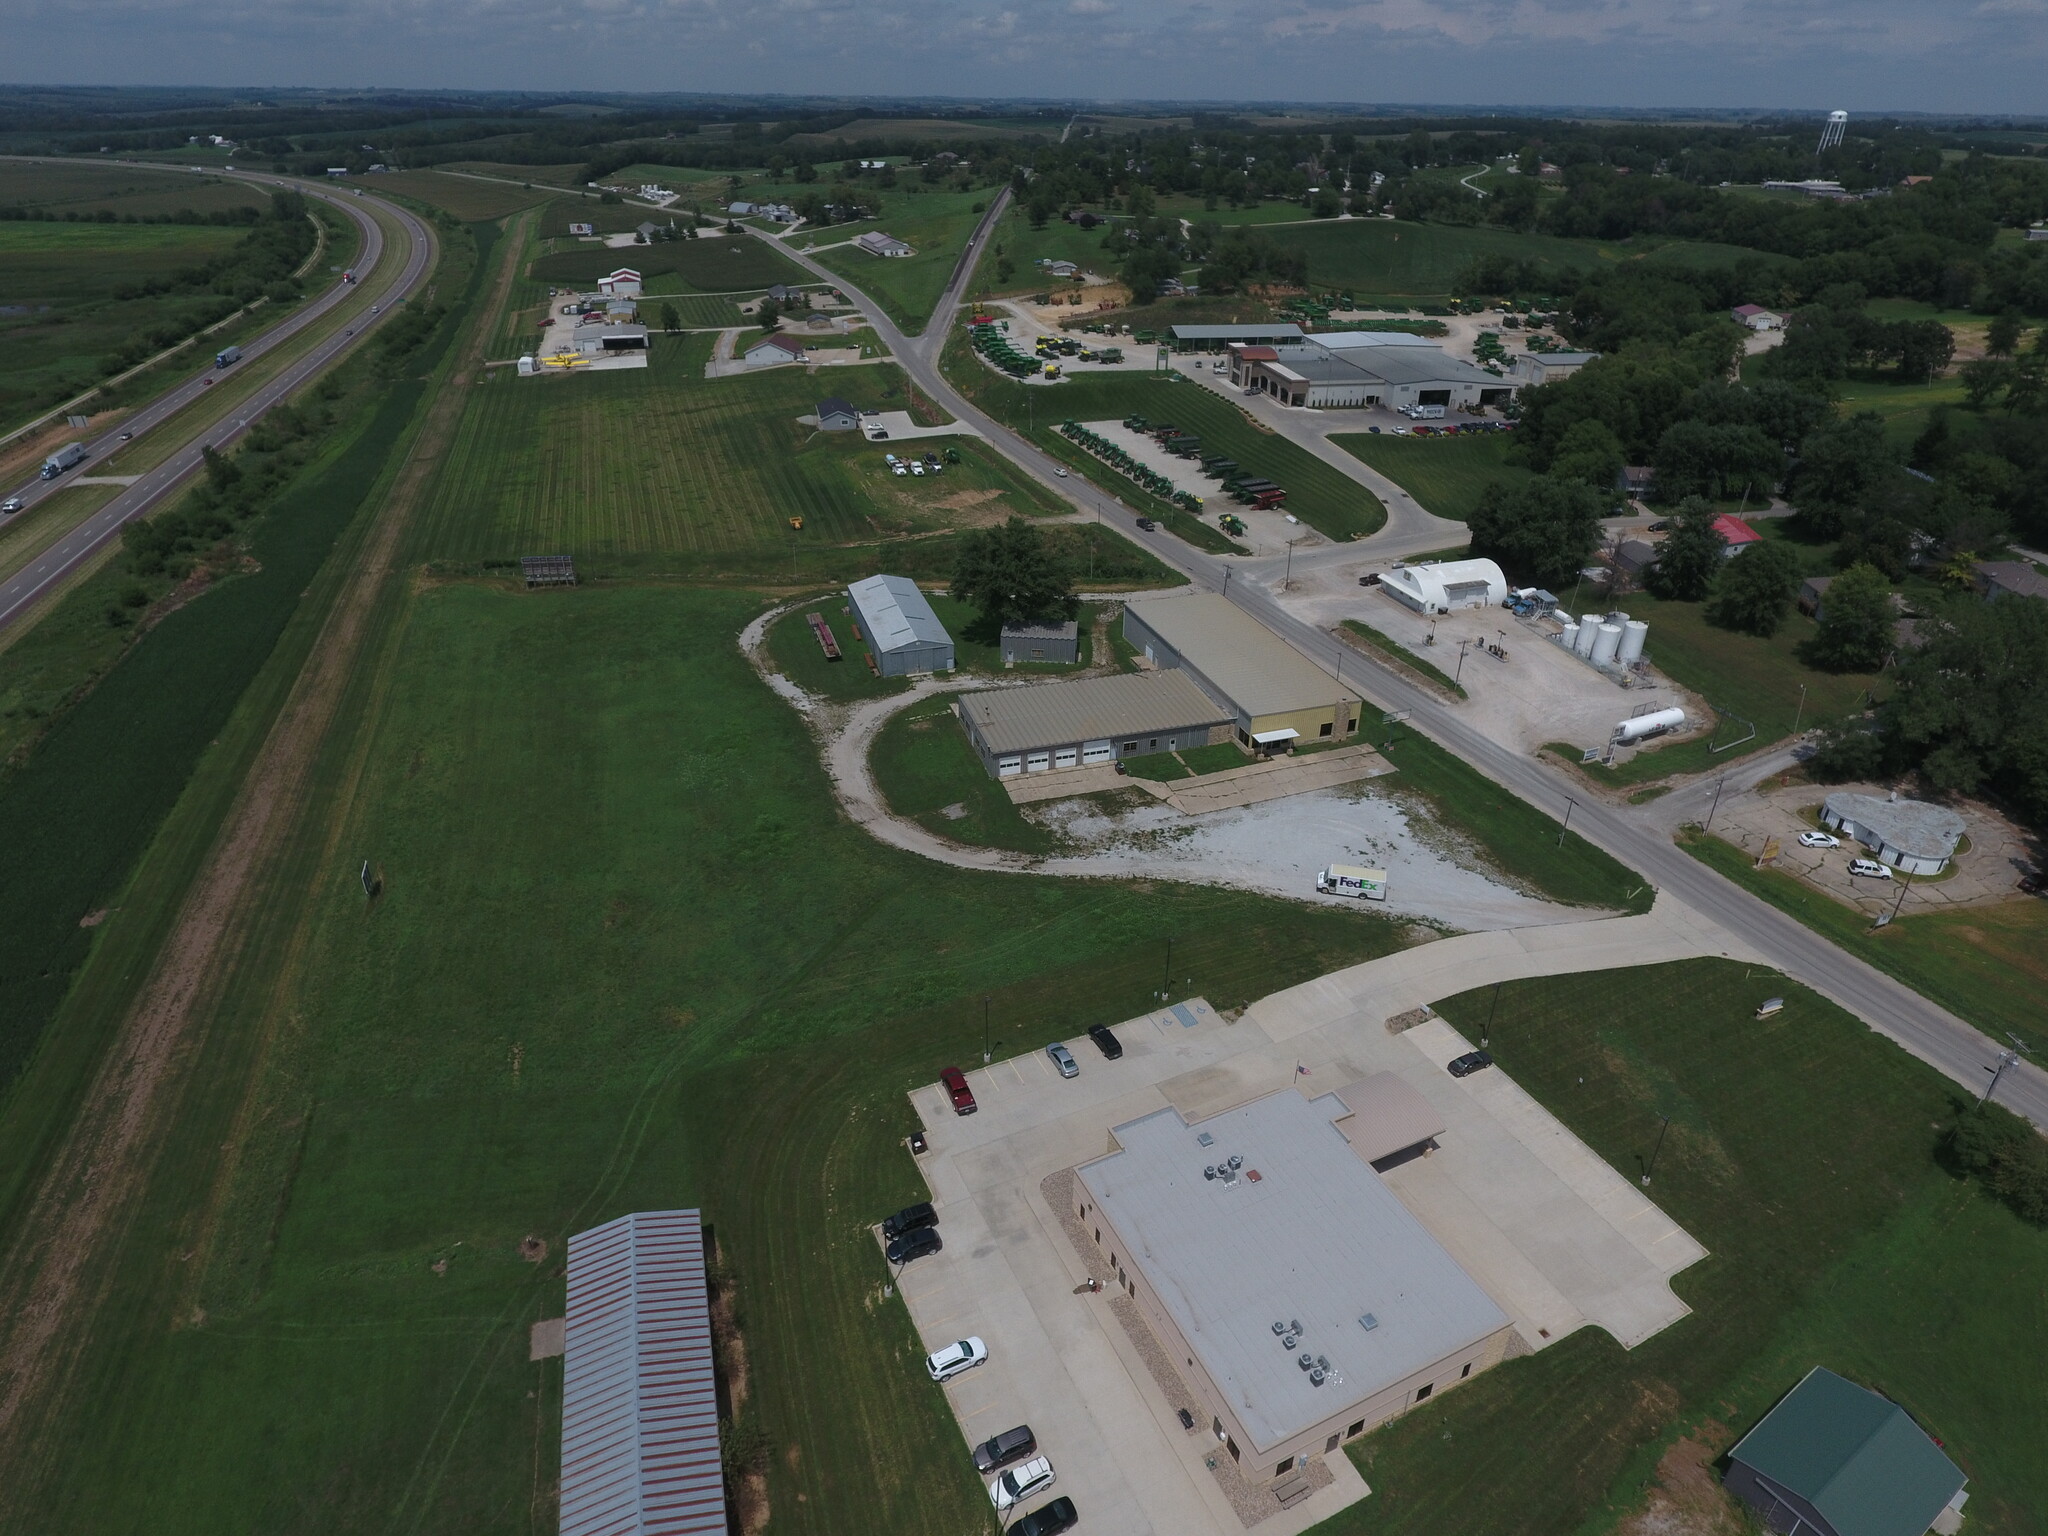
1066	757
1096	752
1005	766
1038	762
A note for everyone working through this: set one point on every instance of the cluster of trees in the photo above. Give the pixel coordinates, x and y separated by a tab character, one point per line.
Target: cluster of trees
261	262
1834	335
248	213
1013	573
1993	1144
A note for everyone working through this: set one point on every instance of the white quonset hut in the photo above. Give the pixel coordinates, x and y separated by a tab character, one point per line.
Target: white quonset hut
639	1385
1906	834
898	627
1444	586
1264	1250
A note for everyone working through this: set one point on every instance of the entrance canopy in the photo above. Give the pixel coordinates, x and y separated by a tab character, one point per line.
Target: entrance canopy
1275	738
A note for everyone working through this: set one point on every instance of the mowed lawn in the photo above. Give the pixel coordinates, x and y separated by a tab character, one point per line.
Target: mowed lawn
46	262
466	197
1447	475
1802	1155
935	224
664	468
629	955
725	264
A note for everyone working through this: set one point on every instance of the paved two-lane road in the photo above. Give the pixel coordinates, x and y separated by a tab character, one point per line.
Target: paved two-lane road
20	593
1929	1032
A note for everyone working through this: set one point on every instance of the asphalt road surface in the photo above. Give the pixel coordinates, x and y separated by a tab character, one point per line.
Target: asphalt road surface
20	593
1932	1033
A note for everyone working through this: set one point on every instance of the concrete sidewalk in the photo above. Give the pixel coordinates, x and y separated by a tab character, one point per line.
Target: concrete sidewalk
1253	784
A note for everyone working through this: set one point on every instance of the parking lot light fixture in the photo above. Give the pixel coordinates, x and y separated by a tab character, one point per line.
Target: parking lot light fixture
984	1029
1652	1165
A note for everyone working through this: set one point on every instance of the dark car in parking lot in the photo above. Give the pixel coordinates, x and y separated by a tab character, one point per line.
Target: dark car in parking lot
1001	1450
1470	1062
909	1219
1050	1521
957	1089
1105	1042
915	1244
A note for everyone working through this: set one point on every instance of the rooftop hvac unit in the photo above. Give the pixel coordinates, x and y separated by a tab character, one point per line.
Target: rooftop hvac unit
1290	1341
1209	1172
1278	1329
1236	1163
1306	1361
1316	1377
1204	1139
1295	1326
1322	1362
1368	1322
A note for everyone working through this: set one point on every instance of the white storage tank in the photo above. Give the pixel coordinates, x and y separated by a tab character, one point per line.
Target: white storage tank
1633	634
526	366
1605	643
1649	725
1589	626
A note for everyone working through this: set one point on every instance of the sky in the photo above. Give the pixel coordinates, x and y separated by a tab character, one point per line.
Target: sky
1863	55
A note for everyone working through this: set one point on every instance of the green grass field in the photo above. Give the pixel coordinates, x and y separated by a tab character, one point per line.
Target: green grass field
1986	964
1402	656
1801	1154
540	175
700	985
935	224
663	469
1752	679
1447	475
465	197
85	188
927	772
728	264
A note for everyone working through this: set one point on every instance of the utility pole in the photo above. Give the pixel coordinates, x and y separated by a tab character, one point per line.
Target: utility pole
1717	803
2005	1059
984	1029
1570	805
1455	676
1491	1010
1652	1168
1166	980
1800	713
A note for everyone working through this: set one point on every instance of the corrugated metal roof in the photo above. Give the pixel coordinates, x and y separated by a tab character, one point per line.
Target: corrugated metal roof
1305	1233
639	1392
1337	341
1234	332
1856	1457
1255	669
1089	709
897	614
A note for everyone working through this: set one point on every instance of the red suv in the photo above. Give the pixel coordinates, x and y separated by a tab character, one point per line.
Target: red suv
956	1084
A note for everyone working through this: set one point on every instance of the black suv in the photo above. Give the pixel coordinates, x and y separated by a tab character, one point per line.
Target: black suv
1469	1063
1105	1042
909	1219
1050	1521
915	1244
1004	1448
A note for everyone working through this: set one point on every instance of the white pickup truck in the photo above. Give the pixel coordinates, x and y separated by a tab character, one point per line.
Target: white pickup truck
1351	880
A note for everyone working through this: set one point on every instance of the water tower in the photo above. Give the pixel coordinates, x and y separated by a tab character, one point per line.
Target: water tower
1831	135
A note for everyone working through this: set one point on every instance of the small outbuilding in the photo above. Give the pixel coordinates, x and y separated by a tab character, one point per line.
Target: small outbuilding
622	284
1549	367
1736	535
898	627
837	416
1756	317
1029	643
1813	594
1836	1459
773	349
1445	586
1906	834
876	243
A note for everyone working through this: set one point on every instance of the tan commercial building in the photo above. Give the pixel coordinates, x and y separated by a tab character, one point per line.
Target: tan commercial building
1300	1299
1278	697
1088	721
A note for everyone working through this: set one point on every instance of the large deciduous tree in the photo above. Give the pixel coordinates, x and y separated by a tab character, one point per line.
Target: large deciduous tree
1543	530
1690	556
1856	619
1755	590
1013	574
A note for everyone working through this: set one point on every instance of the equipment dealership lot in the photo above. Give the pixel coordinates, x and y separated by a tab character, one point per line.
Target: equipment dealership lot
1556	1237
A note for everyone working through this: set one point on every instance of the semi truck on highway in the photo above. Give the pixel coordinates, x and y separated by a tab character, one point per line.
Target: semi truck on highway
1350	880
62	459
227	355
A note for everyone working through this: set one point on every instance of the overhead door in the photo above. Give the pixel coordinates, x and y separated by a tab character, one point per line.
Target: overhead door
1096	752
1005	766
1037	762
1066	757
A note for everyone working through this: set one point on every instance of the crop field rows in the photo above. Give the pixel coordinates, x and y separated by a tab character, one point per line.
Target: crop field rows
84	188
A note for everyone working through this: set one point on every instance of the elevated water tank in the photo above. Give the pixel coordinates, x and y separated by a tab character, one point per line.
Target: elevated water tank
1632	636
1649	725
1606	641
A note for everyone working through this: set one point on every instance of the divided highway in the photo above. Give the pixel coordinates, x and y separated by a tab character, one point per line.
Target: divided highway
1938	1037
20	593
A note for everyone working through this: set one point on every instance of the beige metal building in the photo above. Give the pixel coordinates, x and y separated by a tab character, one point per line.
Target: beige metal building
1279	698
1088	721
1301	1301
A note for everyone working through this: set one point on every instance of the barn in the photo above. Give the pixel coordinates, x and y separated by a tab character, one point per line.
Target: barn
898	627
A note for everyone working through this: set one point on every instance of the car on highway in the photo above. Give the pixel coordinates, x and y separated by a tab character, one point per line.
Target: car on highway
1047	1520
1063	1059
1818	840
1870	869
909	1219
956	1088
1147	524
1061	473
1020	1483
11	504
126	436
1000	1450
1470	1062
915	1245
1105	1042
945	1364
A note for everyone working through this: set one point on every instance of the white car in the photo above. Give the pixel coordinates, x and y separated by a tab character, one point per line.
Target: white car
1024	1481
11	504
1818	840
1061	473
1870	867
955	1358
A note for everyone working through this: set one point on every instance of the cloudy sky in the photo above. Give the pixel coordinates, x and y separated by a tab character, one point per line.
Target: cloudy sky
1865	55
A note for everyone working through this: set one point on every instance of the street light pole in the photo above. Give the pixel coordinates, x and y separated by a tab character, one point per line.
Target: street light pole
984	1029
1491	1010
1166	980
1658	1148
1717	803
1455	676
1800	713
1570	805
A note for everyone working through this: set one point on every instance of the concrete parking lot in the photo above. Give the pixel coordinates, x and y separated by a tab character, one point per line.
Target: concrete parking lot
1557	1238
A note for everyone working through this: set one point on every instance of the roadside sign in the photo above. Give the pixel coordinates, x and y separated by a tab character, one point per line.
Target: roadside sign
1772	848
77	421
1590	755
1395	716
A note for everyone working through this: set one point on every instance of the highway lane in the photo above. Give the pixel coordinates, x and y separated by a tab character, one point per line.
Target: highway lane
1938	1037
20	593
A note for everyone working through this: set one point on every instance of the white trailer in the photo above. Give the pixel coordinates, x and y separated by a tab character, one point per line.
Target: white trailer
62	459
1351	880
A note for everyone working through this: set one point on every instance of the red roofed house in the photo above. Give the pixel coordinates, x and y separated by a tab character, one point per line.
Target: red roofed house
1756	317
1738	534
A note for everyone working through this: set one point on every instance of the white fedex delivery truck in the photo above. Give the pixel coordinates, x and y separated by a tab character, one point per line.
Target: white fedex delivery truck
1350	880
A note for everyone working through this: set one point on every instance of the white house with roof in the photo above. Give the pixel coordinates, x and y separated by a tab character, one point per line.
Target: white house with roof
877	243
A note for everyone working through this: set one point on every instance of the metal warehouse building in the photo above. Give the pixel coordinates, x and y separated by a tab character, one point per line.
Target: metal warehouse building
1264	1250
898	627
1213	338
639	1387
1041	643
1276	696
1088	721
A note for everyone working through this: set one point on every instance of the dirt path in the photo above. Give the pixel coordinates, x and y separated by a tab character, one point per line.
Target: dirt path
56	1275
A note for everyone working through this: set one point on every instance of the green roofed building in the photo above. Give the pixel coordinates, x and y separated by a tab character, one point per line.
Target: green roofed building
1835	1459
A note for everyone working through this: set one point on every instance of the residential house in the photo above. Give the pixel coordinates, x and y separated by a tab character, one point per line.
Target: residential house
876	243
773	349
1998	579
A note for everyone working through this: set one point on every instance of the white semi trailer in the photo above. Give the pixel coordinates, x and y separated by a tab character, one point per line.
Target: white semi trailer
62	459
1351	880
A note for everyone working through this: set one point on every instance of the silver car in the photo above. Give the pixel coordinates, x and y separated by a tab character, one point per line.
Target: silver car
1064	1060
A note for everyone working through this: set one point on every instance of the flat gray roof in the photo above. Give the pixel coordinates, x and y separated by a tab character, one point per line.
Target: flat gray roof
1234	332
1257	670
1307	1233
1068	631
1912	826
1089	709
897	614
